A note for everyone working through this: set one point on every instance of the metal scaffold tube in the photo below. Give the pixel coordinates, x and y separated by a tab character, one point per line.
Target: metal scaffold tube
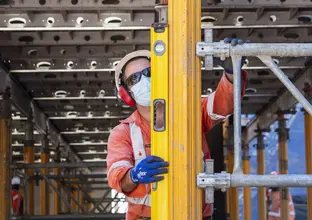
5	155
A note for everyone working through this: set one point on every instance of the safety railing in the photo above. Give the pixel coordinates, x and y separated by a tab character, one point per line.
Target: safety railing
264	52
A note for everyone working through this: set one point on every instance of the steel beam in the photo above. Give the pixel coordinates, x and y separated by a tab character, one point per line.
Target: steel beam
5	155
285	101
25	104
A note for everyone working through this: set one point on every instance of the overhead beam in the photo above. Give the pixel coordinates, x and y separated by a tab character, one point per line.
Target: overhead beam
285	101
22	100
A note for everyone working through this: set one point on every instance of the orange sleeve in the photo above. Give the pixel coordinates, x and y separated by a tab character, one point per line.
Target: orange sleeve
119	156
220	104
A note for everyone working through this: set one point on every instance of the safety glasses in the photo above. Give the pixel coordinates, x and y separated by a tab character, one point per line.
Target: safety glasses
136	77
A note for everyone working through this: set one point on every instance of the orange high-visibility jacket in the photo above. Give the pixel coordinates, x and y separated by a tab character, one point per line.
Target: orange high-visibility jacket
129	143
17	203
275	207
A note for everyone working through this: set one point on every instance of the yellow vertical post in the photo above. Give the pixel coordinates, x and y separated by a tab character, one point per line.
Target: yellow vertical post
44	194
283	162
185	134
29	158
5	155
246	170
56	198
308	146
262	207
159	114
74	194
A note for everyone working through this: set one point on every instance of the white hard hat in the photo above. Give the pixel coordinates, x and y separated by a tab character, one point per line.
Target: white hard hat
125	60
16	180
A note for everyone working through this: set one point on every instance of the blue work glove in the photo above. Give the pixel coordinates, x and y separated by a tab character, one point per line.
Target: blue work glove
227	63
147	170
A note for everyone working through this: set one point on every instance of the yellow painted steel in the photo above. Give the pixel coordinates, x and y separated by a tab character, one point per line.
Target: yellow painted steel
247	194
308	145
75	196
29	158
262	207
44	195
233	192
185	129
5	189
56	198
283	169
160	138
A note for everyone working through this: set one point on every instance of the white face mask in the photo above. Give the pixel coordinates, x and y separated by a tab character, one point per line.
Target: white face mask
142	91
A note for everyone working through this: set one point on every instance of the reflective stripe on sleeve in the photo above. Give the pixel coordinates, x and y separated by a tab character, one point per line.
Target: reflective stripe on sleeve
275	214
146	200
122	163
212	115
15	197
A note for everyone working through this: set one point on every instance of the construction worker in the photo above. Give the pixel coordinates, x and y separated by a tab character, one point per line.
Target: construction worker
130	167
17	198
274	208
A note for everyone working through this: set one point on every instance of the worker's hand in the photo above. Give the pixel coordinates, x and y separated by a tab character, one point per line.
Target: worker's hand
227	63
147	170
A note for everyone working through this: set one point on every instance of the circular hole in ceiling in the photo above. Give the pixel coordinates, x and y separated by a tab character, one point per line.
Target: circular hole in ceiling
251	90
82	93
305	19
116	38
42	2
60	94
26	39
246	63
50	76
208	19
80	20
32	52
112	20
93	64
43	65
291	35
116	63
240	19
102	93
70	64
276	61
273	18
63	51
56	38
87	38
74	2
263	73
110	2
50	20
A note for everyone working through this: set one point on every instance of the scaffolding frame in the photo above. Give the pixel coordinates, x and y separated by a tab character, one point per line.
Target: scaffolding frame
264	52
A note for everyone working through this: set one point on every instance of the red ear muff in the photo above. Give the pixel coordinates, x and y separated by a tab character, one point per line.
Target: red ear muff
125	96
